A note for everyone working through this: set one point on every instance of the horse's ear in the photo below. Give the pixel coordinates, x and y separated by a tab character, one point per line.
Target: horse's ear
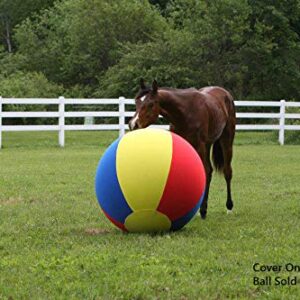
142	83
154	86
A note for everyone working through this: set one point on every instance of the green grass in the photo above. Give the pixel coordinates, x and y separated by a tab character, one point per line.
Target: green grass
55	242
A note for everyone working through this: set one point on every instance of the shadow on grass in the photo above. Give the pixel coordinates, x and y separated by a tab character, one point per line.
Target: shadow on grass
197	227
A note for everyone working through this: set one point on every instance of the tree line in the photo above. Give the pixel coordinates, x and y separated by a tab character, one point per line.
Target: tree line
101	48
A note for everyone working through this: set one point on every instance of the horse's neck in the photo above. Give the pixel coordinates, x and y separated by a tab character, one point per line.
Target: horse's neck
171	108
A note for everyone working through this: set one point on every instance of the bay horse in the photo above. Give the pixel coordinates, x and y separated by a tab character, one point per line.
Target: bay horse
204	118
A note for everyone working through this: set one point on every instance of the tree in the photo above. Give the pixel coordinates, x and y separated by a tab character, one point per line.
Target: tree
103	47
272	54
168	59
78	40
162	4
202	49
13	13
251	47
31	85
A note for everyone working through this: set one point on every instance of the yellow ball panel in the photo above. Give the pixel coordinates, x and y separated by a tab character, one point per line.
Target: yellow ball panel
147	221
143	163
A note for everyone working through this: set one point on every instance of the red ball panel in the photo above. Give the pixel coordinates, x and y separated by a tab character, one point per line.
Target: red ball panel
185	183
118	224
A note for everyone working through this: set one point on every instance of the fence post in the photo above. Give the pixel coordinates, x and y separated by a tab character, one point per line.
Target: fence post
282	122
121	116
61	122
0	122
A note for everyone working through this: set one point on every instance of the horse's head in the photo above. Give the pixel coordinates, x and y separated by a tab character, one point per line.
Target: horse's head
147	106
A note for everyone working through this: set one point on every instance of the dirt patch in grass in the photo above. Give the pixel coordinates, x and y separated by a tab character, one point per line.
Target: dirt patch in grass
11	201
96	231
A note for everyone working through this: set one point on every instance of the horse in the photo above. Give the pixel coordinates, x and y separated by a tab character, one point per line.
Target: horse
206	118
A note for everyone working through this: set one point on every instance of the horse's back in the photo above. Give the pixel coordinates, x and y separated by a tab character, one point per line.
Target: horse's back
220	95
217	92
220	104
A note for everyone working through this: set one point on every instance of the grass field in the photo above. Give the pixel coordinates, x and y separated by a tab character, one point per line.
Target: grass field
55	243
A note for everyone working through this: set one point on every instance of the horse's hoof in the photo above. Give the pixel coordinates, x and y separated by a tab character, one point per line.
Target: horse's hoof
229	205
229	212
203	215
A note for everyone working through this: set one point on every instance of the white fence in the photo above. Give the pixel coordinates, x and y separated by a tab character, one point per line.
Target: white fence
61	114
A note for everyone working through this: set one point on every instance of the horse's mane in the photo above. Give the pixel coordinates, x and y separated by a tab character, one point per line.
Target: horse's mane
143	92
178	91
175	89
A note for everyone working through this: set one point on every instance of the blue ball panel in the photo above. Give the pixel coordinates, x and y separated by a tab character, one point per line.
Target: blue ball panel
179	223
108	191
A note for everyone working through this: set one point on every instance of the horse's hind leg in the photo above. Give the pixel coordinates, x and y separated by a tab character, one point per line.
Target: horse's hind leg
226	144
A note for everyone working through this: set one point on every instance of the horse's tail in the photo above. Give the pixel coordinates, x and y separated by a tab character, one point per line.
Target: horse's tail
217	156
229	101
217	153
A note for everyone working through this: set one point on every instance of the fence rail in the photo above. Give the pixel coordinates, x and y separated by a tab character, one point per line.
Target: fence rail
61	114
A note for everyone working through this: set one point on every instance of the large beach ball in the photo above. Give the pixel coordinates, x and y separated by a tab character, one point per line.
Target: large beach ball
150	180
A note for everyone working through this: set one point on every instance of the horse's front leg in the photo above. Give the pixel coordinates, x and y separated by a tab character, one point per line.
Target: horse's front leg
204	152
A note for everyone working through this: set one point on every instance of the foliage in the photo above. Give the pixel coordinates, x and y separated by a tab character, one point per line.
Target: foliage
13	13
28	85
102	48
273	49
162	4
167	59
77	40
253	49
